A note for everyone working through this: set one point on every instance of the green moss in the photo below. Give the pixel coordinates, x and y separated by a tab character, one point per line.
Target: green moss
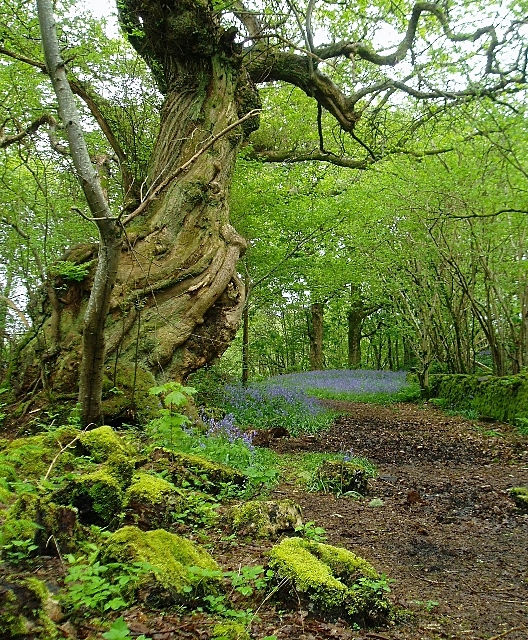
36	519
122	467
100	443
502	398
147	487
264	519
170	556
344	563
30	456
126	394
98	496
520	497
291	559
230	631
25	606
195	471
150	502
333	580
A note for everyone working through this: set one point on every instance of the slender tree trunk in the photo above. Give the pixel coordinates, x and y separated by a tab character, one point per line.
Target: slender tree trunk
93	343
315	333
245	346
355	325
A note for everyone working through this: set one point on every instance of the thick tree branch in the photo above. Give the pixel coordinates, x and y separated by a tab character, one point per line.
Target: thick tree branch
268	64
293	156
6	141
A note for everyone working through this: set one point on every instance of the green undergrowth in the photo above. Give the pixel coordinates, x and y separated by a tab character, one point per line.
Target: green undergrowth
305	469
410	393
134	515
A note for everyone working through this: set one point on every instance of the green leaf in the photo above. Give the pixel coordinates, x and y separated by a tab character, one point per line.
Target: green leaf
118	630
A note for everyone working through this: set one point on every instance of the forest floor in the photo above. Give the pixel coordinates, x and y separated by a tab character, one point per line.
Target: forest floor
438	520
444	528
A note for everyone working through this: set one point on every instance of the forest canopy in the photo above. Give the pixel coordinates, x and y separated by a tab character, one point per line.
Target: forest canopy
345	180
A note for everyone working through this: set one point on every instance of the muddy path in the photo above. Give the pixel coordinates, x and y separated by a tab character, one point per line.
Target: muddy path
438	520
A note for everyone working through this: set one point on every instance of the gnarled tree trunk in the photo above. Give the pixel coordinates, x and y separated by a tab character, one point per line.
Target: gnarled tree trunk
177	301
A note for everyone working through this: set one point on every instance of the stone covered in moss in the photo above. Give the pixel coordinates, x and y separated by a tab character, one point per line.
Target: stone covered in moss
340	477
30	458
333	580
265	519
170	557
150	502
100	443
230	631
126	394
122	467
499	397
97	496
195	471
520	497
41	522
27	609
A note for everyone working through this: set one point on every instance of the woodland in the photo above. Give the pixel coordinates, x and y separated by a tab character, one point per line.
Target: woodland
225	226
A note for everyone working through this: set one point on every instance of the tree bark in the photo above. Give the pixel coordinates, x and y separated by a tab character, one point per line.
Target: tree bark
93	342
181	266
315	333
245	346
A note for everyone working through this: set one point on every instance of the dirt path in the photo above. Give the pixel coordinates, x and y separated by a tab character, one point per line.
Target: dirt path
445	528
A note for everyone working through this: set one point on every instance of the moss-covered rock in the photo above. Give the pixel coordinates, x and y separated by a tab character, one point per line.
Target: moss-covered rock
340	477
102	442
122	467
195	471
502	398
39	522
97	496
230	631
31	457
27	609
150	502
332	580
171	558
520	497
126	394
265	519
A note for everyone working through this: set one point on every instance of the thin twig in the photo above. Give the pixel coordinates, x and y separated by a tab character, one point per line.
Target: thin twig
506	633
63	449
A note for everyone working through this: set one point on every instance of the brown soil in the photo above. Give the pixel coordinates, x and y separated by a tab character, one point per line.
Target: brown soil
438	520
445	529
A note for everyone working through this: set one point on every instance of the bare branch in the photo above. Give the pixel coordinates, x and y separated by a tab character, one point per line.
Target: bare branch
6	141
293	156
